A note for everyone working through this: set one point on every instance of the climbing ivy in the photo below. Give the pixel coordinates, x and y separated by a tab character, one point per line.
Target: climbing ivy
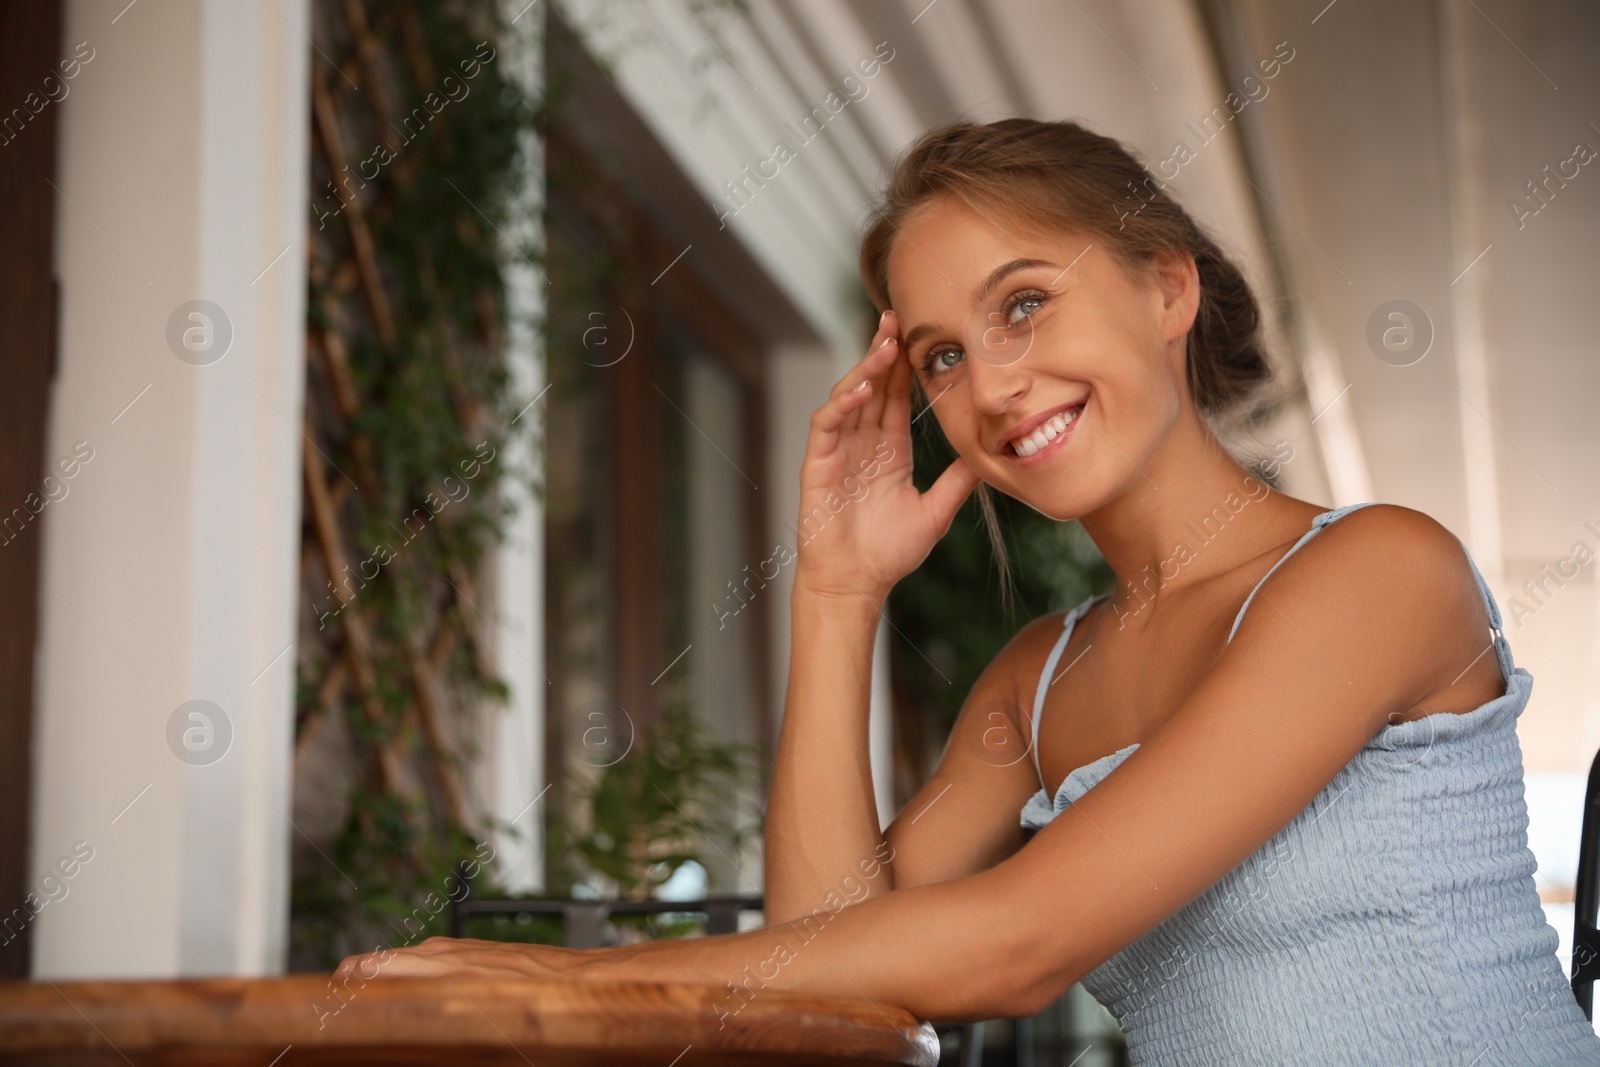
425	145
418	173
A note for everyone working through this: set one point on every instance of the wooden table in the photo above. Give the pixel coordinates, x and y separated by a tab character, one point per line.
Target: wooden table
273	1022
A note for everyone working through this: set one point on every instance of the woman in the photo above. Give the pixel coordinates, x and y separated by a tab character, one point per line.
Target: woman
1284	835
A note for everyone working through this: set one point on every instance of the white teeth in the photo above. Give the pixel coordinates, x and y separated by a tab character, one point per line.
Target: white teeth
1048	431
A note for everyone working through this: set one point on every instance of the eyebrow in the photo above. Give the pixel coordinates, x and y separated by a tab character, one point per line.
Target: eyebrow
996	276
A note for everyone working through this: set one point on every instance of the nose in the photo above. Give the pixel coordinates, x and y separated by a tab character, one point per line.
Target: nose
998	374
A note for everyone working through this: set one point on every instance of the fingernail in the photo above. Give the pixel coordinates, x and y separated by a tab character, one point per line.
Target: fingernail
886	342
860	387
882	319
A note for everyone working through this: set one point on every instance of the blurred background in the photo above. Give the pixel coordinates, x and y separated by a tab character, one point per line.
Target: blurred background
403	407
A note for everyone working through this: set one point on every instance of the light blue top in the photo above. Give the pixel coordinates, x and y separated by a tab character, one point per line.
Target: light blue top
1393	922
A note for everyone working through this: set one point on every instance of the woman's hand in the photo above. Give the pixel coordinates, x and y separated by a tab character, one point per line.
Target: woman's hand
457	957
863	524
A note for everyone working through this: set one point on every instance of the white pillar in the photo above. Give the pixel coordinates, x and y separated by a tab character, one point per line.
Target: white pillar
880	727
1466	200
517	772
171	568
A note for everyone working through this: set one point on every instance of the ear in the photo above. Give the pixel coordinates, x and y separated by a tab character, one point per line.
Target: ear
1177	281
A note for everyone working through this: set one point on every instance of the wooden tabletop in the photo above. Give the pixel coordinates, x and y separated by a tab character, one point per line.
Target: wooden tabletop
295	1021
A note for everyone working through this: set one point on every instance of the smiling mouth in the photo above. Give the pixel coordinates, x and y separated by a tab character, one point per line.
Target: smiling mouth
1047	431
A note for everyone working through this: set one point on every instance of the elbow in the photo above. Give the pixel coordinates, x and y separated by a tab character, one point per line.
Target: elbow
1038	962
1037	993
1002	984
1030	985
1002	956
1004	978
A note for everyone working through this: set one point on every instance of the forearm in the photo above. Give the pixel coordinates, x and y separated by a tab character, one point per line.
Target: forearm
822	822
948	951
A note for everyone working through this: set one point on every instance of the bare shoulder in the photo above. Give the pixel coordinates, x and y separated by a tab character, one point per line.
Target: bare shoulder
1400	547
1393	575
1016	668
1383	550
1024	655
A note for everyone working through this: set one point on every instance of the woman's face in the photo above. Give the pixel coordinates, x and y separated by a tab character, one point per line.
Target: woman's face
1055	373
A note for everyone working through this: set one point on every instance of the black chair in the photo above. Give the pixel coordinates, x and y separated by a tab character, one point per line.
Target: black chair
1585	937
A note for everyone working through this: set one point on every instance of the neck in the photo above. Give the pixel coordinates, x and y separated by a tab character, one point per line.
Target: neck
1189	513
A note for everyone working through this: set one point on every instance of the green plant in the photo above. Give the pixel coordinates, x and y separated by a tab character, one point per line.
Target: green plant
408	413
669	801
420	171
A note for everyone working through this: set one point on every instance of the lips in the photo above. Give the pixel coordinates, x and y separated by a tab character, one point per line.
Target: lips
1034	434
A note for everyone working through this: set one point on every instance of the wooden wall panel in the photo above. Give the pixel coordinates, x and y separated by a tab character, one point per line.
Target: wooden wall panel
30	45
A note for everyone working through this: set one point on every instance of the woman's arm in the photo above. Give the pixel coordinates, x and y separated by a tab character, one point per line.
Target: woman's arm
967	816
863	526
964	819
822	818
1375	615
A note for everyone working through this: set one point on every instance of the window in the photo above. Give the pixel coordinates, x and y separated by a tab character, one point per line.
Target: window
654	453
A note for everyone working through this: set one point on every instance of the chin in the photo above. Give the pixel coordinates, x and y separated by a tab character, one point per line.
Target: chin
1059	510
1072	493
1057	505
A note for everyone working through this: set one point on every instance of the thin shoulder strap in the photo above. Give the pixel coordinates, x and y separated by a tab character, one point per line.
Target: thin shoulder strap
1502	648
1067	625
1316	524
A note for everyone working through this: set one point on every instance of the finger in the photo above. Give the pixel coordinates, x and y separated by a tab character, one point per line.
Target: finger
872	411
439	943
889	328
873	371
867	388
947	493
873	367
411	965
863	367
860	396
351	965
828	421
896	417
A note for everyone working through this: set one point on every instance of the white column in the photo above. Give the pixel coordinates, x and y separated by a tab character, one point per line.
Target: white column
1464	138
171	568
801	378
880	727
517	770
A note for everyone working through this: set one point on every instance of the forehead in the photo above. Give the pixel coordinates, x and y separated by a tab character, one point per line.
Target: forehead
945	248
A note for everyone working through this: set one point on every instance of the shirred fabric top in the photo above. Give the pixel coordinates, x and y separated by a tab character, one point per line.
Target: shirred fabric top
1394	921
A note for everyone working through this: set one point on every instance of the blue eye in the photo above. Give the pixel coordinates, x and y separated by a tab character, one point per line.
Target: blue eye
934	362
1022	306
1018	307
